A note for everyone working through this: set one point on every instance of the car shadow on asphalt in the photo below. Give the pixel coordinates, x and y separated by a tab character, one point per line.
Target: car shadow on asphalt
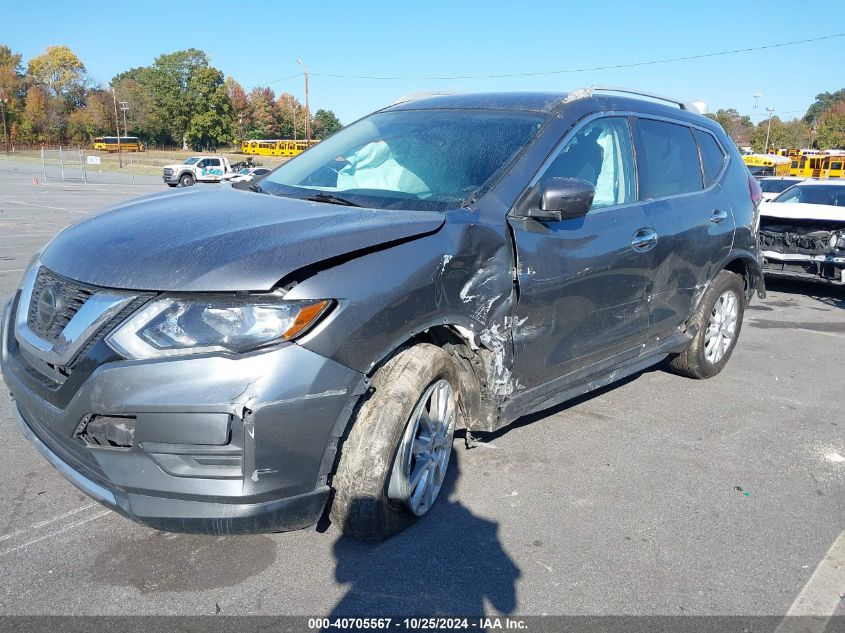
450	563
825	293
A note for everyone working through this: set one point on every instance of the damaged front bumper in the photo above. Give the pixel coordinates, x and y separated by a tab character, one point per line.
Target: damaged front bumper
804	249
208	444
829	268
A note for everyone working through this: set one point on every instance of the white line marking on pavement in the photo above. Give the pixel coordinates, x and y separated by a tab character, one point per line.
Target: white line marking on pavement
821	595
56	533
42	234
41	524
43	206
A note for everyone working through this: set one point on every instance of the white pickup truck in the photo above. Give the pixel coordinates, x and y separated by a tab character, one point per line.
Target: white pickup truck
197	169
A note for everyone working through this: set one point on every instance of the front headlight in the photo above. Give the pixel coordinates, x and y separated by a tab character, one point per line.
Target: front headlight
168	327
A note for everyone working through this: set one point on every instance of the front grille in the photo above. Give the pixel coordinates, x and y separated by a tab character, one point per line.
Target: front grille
69	297
168	172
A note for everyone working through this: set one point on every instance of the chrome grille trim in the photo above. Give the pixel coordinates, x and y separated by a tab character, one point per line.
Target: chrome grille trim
85	321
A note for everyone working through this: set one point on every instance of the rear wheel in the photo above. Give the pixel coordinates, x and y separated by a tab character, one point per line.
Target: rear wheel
393	463
719	320
187	179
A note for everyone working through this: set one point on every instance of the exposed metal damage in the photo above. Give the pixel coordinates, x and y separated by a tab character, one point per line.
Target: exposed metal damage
488	300
808	248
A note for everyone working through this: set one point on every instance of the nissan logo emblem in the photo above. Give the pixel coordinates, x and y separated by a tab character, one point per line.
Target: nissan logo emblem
47	306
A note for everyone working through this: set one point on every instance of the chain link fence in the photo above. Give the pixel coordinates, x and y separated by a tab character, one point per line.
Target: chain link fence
78	165
86	166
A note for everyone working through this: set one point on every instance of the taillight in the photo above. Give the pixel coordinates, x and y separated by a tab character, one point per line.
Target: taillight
754	190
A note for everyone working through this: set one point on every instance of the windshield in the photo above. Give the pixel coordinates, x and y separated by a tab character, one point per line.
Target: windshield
412	159
245	171
190	161
833	195
776	186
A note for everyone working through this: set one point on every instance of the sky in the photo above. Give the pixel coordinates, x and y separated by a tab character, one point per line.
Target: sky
259	43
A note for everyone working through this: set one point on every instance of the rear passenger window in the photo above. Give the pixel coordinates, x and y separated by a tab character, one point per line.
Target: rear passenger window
667	159
712	156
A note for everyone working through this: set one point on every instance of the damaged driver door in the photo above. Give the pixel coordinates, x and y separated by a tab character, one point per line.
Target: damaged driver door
582	281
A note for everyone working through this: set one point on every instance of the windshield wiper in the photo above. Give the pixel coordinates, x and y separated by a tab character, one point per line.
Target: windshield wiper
256	188
331	199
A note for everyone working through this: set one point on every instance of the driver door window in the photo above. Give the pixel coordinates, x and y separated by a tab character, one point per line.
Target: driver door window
600	153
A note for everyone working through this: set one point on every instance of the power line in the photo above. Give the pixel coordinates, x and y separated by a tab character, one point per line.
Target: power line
583	70
274	81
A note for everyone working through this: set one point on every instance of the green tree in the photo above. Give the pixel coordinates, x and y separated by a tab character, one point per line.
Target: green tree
824	101
10	59
211	122
143	118
794	133
11	73
325	124
830	131
290	116
168	81
80	127
12	88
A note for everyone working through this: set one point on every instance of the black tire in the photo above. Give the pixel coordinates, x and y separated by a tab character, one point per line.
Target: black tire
361	507
692	362
187	179
172	184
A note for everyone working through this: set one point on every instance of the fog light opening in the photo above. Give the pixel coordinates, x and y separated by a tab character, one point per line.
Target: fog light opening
107	431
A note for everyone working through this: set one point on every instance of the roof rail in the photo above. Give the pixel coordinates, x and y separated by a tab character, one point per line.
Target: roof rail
416	96
699	107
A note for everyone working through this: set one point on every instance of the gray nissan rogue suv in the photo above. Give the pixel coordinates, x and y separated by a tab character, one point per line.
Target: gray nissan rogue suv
233	360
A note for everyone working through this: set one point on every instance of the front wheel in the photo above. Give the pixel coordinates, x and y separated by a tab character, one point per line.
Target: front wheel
719	320
187	179
394	461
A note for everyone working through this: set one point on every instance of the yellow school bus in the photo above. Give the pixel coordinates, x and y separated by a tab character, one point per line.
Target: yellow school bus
809	166
835	167
275	147
110	144
767	165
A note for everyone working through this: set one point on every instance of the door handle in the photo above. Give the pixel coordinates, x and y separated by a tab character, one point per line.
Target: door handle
644	240
718	216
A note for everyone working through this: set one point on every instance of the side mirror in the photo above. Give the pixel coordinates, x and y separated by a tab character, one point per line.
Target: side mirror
564	199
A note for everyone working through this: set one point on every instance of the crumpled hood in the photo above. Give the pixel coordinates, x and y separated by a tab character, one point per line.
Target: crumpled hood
221	239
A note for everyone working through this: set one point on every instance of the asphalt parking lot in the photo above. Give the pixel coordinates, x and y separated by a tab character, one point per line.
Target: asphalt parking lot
659	495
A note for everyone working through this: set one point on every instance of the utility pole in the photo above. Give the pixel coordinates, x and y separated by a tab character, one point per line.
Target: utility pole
769	128
3	110
293	115
307	111
124	108
117	127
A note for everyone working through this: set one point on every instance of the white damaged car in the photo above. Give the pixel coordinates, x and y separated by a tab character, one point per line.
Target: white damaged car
802	232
